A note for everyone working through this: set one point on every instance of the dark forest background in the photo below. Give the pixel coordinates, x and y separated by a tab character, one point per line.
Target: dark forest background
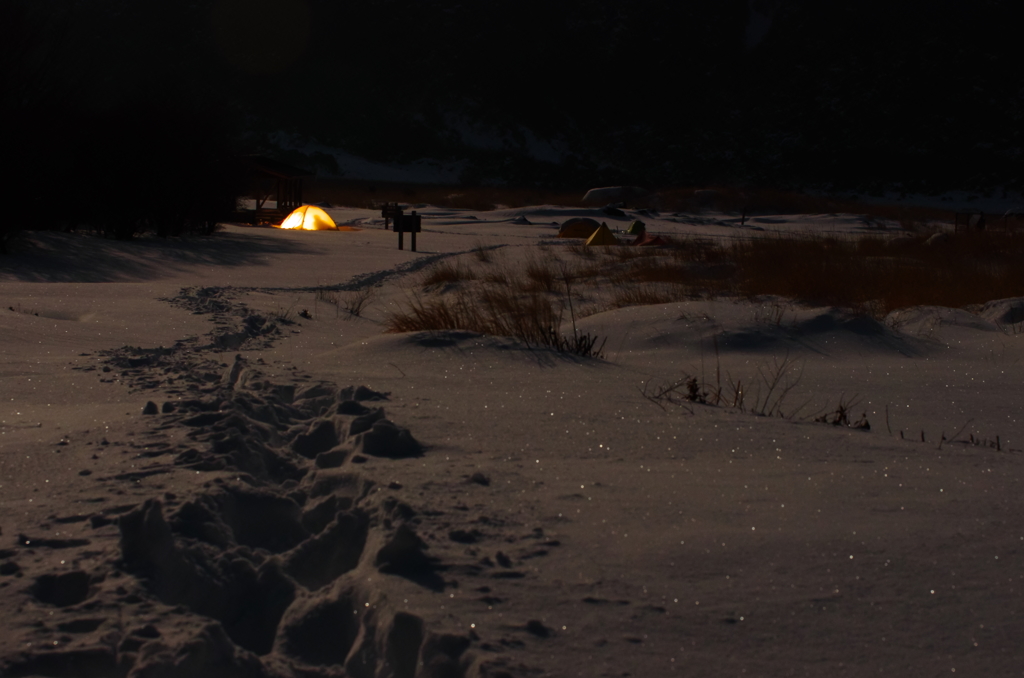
848	94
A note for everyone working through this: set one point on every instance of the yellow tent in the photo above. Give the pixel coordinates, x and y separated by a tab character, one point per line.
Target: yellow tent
309	218
578	227
602	236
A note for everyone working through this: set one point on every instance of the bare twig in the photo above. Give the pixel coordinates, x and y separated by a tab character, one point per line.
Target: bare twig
779	378
665	394
961	430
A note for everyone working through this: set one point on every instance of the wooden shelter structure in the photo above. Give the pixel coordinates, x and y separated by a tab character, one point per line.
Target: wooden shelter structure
968	221
274	180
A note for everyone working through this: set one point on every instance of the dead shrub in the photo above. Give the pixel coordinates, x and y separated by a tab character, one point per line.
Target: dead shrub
654	270
869	275
697	249
501	308
775	380
647	295
873	247
531	318
447	272
452	313
483	253
969	268
541	274
580	249
627	254
502	276
352	302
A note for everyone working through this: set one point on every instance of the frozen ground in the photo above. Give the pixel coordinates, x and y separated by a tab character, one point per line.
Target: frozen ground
479	508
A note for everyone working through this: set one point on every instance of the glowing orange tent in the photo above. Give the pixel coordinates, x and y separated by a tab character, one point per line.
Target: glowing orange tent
309	218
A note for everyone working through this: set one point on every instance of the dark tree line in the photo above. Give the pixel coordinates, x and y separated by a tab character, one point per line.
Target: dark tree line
143	155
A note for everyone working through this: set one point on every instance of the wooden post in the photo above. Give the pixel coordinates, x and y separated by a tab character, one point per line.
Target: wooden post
407	223
414	226
390	211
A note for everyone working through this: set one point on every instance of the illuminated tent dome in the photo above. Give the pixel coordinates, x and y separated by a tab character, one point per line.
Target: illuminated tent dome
309	218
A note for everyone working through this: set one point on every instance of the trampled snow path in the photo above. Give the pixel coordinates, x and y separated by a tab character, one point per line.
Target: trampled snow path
274	543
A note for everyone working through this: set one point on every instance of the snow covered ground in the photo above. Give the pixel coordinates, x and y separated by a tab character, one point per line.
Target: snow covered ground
479	507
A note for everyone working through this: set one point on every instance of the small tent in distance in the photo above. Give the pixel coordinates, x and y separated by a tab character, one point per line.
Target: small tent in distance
578	227
602	237
309	218
647	240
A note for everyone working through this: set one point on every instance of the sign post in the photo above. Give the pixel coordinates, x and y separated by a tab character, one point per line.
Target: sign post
391	210
407	223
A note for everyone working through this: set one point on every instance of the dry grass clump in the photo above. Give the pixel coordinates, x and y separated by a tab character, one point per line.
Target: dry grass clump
624	254
447	272
483	253
528	306
581	250
882	276
653	269
774	201
872	275
647	295
353	302
532	318
765	394
696	249
502	276
683	270
541	274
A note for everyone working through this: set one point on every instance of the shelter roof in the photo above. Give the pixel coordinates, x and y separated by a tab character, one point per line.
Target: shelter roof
277	168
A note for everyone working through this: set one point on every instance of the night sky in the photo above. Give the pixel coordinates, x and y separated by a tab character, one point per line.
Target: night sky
921	95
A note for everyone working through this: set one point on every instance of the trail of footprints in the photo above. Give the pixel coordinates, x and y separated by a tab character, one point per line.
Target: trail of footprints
263	573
